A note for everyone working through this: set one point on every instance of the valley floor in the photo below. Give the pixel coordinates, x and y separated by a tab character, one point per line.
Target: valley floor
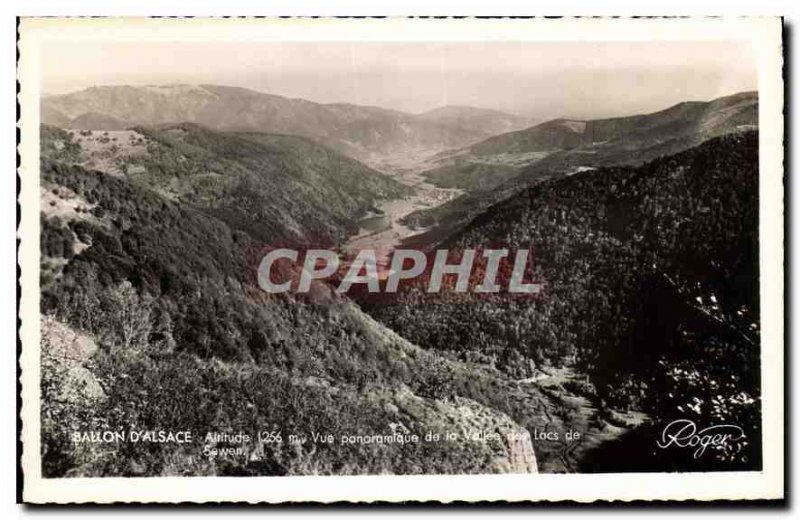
383	231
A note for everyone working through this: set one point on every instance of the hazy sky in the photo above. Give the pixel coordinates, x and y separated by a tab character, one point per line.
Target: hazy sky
532	78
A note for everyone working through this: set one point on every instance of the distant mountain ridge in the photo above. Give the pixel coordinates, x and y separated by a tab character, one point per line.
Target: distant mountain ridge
636	139
709	118
499	167
359	131
488	120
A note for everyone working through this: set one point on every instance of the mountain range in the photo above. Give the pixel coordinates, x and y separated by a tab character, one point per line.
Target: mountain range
364	132
704	119
498	167
563	145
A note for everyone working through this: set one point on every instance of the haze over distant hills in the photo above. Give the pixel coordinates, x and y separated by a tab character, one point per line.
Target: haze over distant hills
360	131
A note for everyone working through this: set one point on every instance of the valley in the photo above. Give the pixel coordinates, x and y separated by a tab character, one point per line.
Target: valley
383	230
158	214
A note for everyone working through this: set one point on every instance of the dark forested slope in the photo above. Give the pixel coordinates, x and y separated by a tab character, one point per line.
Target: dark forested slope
651	284
152	320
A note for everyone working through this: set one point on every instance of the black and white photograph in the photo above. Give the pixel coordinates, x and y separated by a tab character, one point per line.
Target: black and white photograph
389	248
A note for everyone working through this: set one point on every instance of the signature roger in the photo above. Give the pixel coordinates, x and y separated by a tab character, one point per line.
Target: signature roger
684	434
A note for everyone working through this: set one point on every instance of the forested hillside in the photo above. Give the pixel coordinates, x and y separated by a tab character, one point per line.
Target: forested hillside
153	320
651	286
150	238
276	188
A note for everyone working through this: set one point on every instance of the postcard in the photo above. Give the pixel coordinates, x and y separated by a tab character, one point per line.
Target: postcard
284	260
